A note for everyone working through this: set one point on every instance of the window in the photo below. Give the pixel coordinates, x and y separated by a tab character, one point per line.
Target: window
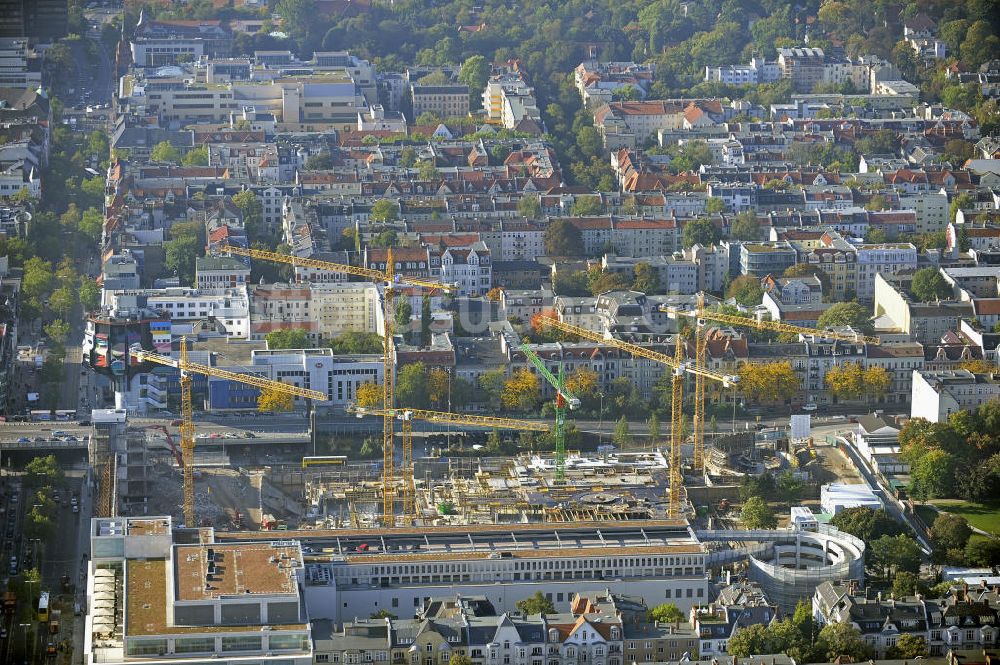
194	645
241	643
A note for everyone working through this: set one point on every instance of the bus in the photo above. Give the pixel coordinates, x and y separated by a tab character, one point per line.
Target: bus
43	607
324	460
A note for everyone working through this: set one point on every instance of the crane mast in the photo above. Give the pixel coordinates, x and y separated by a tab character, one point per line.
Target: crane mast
187	428
564	399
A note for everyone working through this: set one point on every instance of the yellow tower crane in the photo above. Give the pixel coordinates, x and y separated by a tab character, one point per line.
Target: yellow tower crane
389	279
407	416
701	314
187	408
679	367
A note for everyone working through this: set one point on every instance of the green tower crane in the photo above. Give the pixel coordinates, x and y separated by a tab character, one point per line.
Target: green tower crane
564	400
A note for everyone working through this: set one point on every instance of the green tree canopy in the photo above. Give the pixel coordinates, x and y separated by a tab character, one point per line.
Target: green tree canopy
384	211
666	613
536	604
929	285
747	290
756	514
165	152
353	342
701	231
562	238
290	338
846	314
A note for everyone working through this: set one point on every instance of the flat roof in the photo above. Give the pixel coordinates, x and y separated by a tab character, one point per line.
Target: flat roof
150	527
146	604
212	571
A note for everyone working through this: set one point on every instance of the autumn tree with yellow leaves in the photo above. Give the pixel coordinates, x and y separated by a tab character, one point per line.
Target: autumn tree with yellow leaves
369	394
271	400
851	381
582	382
768	382
521	391
437	387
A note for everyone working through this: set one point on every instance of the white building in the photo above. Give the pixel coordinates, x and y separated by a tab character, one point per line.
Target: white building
887	259
230	307
323	310
840	496
878	443
215	273
470	269
152	600
937	394
660	562
319	369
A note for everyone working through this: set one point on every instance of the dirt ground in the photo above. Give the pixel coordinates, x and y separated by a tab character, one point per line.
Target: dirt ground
834	466
221	494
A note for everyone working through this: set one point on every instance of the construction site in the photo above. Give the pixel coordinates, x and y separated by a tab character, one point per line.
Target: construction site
691	473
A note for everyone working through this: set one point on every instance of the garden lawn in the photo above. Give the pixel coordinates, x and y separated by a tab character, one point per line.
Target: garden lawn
985	516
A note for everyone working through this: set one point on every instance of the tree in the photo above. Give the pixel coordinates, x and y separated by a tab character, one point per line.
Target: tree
165	152
653	424
929	285
459	659
382	614
892	554
289	338
647	279
562	238
714	205
980	44
747	290
866	524
536	604
180	256
92	224
905	584
756	514
37	278
426	319
932	475
769	382
745	227
62	301
369	394
877	381
753	639
43	472
846	381
877	202
89	293
321	161
58	331
411	386
908	647
196	157
384	211
621	436
582	382
666	613
845	314
529	207
700	231
298	16
491	383
843	639
353	342
404	313
586	206
271	400
250	207
567	283
438	381
475	72
71	218
521	391
951	532
978	366
984	552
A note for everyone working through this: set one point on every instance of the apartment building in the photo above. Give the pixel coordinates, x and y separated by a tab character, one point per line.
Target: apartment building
214	273
167	42
938	394
760	259
886	259
446	101
151	598
229	307
324	310
508	99
20	66
469	269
